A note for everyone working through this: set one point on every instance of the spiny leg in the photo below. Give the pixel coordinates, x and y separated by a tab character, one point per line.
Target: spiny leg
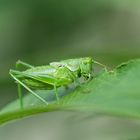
26	87
56	93
19	62
20	95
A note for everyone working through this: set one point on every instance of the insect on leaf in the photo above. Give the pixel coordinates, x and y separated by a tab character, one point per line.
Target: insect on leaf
112	93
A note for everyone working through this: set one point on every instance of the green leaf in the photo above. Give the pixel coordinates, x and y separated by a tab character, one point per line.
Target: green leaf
115	92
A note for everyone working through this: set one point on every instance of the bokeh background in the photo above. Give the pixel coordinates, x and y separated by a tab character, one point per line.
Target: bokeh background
40	31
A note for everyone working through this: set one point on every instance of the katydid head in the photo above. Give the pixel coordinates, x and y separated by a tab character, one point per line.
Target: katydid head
86	67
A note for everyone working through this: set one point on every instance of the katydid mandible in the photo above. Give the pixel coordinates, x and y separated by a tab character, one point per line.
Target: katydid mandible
52	76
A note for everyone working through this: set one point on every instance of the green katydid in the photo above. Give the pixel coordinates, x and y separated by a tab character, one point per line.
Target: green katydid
52	76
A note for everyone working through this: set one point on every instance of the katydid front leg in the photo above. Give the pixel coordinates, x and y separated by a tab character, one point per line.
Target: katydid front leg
76	82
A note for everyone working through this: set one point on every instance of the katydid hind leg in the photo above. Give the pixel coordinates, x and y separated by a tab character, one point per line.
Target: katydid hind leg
19	62
27	88
20	95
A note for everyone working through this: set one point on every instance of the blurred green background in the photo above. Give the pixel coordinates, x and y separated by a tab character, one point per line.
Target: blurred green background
40	31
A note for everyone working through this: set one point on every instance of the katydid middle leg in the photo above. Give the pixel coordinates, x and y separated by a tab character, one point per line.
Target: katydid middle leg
56	93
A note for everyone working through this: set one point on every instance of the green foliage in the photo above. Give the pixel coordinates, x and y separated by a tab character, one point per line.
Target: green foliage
115	92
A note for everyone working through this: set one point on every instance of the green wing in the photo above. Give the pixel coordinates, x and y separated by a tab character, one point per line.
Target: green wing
40	80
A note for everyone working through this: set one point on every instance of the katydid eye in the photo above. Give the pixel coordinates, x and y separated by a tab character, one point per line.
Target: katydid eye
60	65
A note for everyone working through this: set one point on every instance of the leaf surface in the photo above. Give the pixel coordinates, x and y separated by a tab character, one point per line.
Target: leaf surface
115	92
